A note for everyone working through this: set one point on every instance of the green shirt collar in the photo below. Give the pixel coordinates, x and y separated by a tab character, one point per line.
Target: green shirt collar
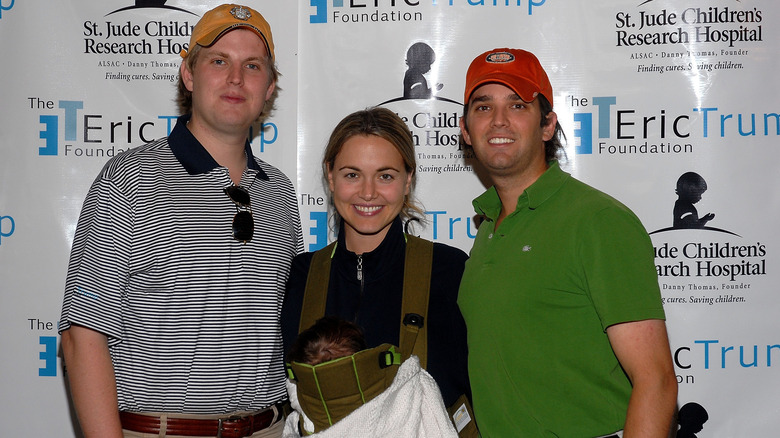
489	204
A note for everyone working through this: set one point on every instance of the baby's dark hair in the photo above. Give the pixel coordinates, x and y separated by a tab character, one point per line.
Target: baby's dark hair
328	339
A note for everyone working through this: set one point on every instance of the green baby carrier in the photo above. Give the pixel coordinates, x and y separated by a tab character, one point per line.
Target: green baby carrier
329	391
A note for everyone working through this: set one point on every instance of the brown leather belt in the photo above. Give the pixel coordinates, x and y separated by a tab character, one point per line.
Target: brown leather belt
228	427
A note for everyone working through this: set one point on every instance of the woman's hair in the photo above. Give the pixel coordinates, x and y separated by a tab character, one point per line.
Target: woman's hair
184	96
328	339
385	124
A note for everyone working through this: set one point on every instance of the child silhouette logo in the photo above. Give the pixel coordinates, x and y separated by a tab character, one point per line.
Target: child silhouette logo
141	4
419	59
690	187
691	419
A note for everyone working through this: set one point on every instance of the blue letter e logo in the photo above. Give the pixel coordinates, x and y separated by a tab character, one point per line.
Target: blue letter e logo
322	11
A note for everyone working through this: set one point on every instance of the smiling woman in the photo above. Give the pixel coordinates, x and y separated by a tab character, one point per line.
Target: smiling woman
369	164
368	181
378	139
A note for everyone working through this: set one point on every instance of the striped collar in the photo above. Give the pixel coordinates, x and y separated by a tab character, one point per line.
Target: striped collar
195	158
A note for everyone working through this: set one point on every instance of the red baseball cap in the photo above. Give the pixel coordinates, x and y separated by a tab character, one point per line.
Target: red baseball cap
224	18
517	69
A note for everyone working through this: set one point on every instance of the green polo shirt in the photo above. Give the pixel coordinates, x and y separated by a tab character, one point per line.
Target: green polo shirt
538	294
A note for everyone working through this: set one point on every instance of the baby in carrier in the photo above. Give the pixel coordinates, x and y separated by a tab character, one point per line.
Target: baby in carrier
339	388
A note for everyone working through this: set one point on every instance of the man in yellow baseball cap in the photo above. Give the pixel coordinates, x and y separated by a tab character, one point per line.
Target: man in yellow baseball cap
170	318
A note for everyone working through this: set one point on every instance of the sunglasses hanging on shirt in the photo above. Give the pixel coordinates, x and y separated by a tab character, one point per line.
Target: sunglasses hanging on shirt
243	221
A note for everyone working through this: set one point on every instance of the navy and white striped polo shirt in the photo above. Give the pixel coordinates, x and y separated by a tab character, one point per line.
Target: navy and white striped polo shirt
191	315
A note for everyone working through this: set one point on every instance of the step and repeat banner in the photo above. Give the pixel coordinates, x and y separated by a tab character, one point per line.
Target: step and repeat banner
672	107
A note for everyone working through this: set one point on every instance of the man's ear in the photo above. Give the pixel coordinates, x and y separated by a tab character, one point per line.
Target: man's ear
548	130
270	91
186	76
464	132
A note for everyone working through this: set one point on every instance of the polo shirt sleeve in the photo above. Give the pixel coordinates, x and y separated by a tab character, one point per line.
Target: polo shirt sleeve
98	267
293	299
617	257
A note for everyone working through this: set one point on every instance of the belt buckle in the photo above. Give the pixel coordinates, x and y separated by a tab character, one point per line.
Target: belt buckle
220	424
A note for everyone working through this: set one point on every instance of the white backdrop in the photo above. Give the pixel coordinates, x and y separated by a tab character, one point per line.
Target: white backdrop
646	90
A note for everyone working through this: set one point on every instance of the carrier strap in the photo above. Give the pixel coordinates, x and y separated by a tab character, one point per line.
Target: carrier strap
413	336
316	293
414	304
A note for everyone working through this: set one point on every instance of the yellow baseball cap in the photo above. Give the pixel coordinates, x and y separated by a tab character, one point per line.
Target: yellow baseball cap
227	17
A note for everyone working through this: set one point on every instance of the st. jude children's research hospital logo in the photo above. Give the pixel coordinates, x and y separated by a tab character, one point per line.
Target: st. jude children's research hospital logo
118	35
698	263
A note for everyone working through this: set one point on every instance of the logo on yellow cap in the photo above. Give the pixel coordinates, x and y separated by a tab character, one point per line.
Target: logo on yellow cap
240	13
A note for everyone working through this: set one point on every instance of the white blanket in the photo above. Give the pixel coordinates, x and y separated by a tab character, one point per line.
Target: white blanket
411	407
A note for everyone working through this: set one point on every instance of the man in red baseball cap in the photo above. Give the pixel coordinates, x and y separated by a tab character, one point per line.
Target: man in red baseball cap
565	325
170	318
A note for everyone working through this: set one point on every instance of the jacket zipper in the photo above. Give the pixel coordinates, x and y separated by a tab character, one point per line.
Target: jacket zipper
362	282
360	270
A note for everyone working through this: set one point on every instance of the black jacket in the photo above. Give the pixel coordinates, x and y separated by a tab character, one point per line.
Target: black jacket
377	307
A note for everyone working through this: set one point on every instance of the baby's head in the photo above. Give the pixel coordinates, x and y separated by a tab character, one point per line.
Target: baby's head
328	339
